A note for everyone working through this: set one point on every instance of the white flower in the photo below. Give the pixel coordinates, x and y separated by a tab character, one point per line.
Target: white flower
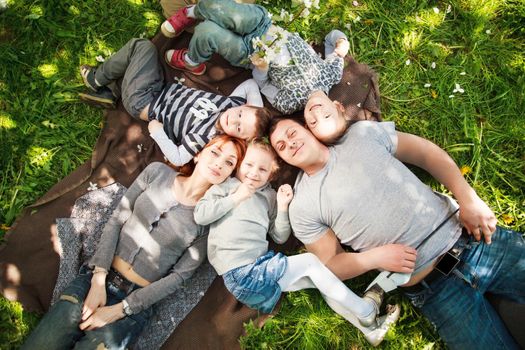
488	31
433	65
315	3
357	19
355	3
348	26
92	186
100	59
436	10
305	13
451	96
463	73
449	8
407	62
458	88
140	147
427	85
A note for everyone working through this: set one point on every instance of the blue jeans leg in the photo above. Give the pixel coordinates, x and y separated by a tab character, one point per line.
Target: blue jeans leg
228	29
457	306
58	329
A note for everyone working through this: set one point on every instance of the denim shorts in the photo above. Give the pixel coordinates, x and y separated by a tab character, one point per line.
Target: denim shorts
255	285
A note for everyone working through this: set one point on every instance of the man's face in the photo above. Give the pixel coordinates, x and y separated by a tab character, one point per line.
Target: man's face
324	117
239	122
294	144
256	167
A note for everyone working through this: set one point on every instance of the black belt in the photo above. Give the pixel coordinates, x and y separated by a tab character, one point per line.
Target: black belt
118	280
445	265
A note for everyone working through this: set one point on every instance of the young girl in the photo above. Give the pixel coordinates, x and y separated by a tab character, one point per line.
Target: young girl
327	119
181	119
240	212
148	248
229	29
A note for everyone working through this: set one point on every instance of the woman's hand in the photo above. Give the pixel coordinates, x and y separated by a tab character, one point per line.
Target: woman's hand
96	296
394	258
103	316
284	197
154	125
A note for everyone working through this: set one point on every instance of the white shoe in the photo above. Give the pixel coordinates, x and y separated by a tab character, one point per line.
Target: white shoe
376	333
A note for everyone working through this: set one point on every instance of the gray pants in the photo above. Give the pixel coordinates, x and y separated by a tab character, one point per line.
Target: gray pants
137	63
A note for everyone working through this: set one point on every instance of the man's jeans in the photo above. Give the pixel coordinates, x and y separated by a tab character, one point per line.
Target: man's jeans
228	29
137	63
456	304
58	329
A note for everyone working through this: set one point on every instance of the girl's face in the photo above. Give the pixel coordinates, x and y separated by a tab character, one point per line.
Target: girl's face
216	162
256	167
324	117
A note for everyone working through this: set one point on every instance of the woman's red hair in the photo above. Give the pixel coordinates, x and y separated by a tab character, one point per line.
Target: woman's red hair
238	144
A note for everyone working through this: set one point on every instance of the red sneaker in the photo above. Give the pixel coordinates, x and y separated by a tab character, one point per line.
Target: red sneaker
176	24
177	62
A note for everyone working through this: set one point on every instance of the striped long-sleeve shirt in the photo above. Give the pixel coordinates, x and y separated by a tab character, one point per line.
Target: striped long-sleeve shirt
189	117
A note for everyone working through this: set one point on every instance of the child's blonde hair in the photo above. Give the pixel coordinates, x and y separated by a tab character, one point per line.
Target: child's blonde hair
264	144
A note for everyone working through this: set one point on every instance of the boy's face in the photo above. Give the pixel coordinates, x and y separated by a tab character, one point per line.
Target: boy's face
256	167
239	122
324	117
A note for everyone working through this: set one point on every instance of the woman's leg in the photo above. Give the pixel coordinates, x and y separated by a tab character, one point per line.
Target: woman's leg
138	65
58	329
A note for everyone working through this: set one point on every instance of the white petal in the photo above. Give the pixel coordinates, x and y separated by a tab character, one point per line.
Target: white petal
488	31
355	3
436	10
451	96
433	65
427	85
463	73
407	62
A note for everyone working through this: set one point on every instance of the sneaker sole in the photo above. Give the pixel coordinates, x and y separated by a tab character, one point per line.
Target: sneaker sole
98	101
184	69
167	33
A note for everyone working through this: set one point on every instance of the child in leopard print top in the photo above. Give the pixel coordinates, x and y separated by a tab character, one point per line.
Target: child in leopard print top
229	29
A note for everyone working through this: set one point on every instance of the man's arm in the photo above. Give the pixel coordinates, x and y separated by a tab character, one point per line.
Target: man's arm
475	215
391	257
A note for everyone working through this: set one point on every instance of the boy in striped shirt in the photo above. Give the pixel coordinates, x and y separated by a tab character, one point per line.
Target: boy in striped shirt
181	120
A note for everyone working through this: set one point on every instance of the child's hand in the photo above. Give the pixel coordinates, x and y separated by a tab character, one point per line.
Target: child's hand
243	192
259	62
341	47
284	197
154	125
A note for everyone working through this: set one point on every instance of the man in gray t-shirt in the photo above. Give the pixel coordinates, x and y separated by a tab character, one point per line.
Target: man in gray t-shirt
359	193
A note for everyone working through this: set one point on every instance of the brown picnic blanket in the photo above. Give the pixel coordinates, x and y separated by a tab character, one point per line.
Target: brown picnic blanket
29	259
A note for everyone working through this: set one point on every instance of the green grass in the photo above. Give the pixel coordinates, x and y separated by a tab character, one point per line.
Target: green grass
46	132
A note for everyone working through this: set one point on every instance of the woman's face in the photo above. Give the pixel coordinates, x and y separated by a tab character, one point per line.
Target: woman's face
216	162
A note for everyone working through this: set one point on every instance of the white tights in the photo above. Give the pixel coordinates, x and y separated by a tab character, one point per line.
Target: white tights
307	271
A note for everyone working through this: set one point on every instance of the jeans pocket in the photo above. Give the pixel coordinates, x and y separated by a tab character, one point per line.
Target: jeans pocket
417	299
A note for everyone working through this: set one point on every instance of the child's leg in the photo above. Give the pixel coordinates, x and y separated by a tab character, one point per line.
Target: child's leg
331	39
242	19
210	38
137	63
307	266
